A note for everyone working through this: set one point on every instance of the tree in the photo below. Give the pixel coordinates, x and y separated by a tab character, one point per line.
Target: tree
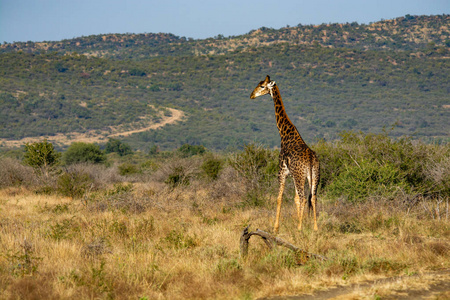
190	150
41	155
115	145
83	152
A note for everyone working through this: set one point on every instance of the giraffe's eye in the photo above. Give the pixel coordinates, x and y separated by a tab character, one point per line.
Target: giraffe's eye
262	86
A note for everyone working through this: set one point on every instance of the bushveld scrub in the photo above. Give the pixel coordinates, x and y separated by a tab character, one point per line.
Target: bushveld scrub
13	173
258	168
359	166
147	235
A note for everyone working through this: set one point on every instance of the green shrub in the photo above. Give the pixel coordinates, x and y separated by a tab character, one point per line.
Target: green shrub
73	184
330	156
23	262
190	150
128	169
177	177
180	240
120	188
61	230
149	165
350	265
154	150
228	265
366	178
79	152
358	166
212	167
381	149
137	72
115	145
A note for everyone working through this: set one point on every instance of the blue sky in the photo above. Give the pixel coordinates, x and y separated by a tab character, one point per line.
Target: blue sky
52	20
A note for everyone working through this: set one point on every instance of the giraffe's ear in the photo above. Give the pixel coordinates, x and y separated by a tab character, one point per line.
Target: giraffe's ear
271	84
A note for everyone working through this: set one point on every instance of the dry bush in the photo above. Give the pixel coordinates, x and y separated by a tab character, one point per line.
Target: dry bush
101	175
178	171
79	180
95	248
137	198
437	170
258	169
227	186
13	173
124	202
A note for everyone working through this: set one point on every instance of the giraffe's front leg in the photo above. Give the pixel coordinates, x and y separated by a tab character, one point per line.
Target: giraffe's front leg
279	200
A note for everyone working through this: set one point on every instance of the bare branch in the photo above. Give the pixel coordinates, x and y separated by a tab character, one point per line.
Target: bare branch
271	241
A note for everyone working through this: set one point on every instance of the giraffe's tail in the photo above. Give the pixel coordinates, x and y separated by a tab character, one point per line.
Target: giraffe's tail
310	182
309	204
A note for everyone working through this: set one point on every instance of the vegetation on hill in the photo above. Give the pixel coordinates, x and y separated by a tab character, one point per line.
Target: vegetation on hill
354	84
403	33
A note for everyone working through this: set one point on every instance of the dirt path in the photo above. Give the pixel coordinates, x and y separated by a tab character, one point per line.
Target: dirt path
176	116
96	136
433	285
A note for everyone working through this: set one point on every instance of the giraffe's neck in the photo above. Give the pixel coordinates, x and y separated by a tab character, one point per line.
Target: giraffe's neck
286	128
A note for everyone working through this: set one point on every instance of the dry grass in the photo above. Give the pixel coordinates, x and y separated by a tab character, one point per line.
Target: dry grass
148	241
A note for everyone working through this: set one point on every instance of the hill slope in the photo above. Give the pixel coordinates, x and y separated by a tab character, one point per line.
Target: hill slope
332	78
404	33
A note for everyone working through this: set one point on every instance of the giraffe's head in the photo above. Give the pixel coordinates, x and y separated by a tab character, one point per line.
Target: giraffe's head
263	88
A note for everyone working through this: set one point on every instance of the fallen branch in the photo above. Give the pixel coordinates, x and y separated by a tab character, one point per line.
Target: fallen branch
270	240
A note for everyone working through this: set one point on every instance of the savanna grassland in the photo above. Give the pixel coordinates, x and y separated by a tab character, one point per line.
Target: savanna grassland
166	225
153	214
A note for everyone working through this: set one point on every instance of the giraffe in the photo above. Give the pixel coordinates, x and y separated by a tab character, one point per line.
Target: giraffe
296	158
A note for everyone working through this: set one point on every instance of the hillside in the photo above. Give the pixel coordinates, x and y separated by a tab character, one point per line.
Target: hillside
332	77
404	33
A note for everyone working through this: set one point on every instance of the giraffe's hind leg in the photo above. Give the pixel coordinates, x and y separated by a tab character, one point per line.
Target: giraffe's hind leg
314	183
300	199
313	201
